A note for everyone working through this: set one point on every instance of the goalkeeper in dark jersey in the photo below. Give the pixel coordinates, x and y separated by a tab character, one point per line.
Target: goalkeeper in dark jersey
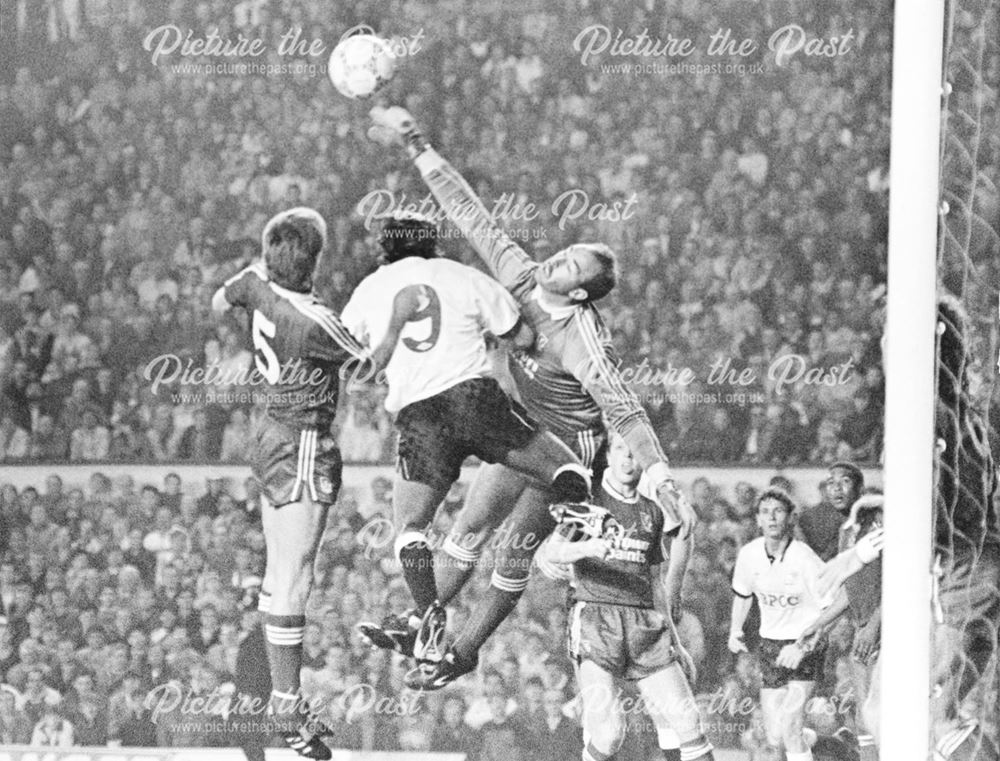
300	346
615	631
569	382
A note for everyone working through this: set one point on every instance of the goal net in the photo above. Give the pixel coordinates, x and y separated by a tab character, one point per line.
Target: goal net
966	555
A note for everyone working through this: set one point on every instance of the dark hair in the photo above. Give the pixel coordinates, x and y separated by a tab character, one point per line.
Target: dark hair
601	284
292	242
408	234
780	495
853	470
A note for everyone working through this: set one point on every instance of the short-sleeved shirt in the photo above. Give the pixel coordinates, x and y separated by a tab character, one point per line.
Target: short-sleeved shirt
785	586
625	577
299	347
444	344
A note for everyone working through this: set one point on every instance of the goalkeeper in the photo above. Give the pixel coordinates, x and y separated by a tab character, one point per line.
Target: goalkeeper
569	381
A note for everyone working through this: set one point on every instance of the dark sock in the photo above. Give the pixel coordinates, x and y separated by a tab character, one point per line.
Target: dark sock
672	754
284	654
488	614
418	570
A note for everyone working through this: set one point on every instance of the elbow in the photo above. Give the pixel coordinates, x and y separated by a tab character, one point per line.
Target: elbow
520	337
219	303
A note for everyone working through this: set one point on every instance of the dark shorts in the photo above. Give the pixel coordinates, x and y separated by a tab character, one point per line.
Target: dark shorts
293	463
628	643
592	449
773	676
475	417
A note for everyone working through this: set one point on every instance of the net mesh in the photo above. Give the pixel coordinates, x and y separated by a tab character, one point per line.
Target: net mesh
967	561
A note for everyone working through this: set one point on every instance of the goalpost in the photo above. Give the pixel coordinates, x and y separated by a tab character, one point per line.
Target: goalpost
910	371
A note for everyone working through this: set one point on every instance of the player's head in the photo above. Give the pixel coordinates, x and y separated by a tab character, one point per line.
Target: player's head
844	485
775	513
583	272
407	234
622	467
292	242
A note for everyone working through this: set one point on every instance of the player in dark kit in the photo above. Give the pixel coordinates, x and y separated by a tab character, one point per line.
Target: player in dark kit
299	348
568	380
615	632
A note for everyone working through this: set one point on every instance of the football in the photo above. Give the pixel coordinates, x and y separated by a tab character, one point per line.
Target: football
361	65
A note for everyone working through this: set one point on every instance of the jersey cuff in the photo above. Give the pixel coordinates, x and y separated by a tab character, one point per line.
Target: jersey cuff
659	473
428	160
740	594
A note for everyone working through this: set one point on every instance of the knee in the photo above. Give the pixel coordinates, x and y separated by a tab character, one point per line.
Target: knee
571	483
792	736
607	733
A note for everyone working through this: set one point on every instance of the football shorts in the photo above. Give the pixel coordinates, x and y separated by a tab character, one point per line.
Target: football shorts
290	463
773	676
627	642
475	417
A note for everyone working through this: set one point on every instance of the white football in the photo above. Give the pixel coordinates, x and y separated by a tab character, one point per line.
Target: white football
361	65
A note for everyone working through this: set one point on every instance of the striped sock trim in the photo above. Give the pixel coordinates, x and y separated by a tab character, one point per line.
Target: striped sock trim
285	636
408	538
507	584
453	549
700	748
953	739
865	741
264	602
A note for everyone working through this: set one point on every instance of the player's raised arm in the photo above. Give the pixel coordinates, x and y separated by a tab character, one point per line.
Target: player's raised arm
234	291
593	361
507	261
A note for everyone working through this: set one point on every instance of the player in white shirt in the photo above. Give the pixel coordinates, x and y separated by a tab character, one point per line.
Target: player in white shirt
783	574
447	405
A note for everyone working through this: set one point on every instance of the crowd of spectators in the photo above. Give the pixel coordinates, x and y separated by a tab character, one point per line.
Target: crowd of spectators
754	240
122	601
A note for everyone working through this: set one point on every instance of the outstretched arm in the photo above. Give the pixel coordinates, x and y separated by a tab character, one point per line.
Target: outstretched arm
506	260
592	360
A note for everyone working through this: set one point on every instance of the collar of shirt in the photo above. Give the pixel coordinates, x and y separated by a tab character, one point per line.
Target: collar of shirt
780	557
614	492
555	312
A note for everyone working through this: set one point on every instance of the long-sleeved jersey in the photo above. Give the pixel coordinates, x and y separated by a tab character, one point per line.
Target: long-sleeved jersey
299	348
570	377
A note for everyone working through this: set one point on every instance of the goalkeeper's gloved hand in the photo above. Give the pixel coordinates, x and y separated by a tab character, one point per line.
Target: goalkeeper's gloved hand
396	126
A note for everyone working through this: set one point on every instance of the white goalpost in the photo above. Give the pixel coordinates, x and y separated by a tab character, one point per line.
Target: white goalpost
910	372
